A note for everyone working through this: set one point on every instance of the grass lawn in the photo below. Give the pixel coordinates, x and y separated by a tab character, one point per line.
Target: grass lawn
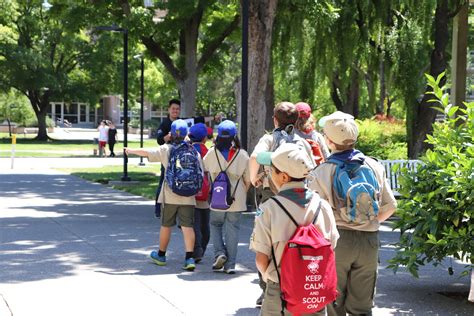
146	176
28	147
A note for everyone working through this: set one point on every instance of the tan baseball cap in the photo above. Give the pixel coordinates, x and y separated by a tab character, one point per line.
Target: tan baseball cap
340	128
289	158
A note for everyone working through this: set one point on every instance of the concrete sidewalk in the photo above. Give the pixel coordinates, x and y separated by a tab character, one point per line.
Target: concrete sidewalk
70	247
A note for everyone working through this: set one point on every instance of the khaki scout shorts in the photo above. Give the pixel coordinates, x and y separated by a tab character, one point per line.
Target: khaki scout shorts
185	214
272	302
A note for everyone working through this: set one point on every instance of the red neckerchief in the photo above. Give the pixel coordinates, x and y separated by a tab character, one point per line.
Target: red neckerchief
232	152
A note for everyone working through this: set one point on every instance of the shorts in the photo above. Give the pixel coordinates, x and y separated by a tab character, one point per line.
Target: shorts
185	214
102	144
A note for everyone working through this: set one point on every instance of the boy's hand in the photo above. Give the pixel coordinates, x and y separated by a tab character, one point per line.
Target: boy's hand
167	138
128	150
257	181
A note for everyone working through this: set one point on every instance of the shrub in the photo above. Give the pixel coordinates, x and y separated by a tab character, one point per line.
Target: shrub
437	210
33	122
134	123
382	139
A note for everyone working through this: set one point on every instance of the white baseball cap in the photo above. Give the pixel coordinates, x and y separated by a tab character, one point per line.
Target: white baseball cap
340	128
289	158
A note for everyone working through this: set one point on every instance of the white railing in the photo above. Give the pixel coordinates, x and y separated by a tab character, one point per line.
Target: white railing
393	175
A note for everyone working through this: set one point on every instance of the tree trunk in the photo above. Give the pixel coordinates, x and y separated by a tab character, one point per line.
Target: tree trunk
335	93
42	128
352	100
369	80
40	106
188	49
261	17
269	101
423	116
383	88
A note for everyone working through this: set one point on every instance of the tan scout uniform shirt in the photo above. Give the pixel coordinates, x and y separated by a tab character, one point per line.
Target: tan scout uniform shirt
265	144
274	227
322	182
238	169
166	195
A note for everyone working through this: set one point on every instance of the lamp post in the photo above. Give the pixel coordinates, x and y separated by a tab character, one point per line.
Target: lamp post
142	88
114	28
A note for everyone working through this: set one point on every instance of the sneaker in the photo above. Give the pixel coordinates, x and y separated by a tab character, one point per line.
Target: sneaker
219	262
197	259
259	301
229	271
159	260
189	264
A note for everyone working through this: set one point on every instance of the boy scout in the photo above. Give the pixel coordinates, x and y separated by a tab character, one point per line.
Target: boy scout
290	166
357	249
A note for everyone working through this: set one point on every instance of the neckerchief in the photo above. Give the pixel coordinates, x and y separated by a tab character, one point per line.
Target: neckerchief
300	196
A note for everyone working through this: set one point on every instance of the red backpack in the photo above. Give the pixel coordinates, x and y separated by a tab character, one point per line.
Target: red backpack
308	279
203	194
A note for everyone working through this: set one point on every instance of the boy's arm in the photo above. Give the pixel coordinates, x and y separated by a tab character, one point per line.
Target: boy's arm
138	152
255	178
388	205
262	261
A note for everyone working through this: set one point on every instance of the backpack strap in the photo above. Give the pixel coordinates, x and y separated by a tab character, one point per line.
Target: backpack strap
285	210
282	300
318	209
230	162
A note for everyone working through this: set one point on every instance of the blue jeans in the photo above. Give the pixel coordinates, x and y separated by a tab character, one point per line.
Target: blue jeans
225	228
201	230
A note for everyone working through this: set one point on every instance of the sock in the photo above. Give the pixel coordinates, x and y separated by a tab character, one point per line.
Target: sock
189	254
161	253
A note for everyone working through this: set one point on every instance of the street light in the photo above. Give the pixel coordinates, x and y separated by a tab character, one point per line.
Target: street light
115	28
142	86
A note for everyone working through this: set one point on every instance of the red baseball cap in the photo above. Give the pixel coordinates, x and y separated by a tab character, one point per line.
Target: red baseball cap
304	110
210	132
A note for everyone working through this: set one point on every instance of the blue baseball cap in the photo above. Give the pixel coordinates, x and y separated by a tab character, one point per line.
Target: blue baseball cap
226	129
179	128
198	132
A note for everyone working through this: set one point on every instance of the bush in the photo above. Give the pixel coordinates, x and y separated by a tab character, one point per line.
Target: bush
151	123
437	210
382	139
33	122
134	123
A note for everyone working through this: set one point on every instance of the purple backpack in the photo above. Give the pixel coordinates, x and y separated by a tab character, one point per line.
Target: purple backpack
221	196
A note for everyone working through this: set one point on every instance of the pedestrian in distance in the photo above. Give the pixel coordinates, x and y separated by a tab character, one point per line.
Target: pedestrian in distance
278	218
356	187
103	138
198	135
175	205
111	137
227	165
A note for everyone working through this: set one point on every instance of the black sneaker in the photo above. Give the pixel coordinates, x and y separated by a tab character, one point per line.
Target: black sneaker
219	262
259	301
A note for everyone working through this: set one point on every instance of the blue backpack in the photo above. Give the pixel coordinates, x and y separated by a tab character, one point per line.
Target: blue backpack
356	185
184	174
